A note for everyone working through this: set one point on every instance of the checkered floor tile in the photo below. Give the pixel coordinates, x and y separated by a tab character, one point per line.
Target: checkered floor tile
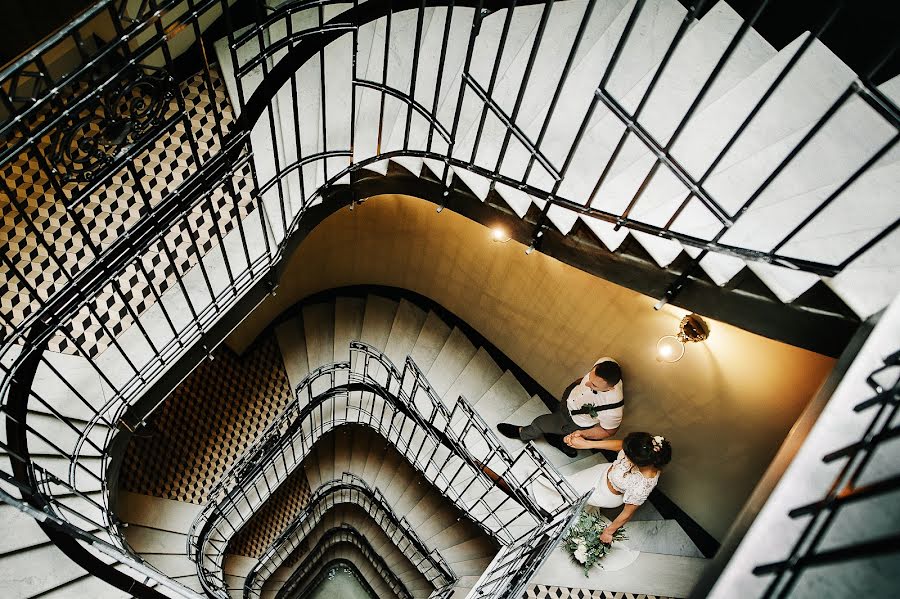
32	210
276	514
207	422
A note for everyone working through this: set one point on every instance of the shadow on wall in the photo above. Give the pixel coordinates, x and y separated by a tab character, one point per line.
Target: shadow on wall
726	405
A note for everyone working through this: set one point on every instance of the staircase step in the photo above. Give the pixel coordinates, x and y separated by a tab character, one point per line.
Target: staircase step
47	432
871	280
469	550
404	332
450	362
348	319
475	380
538	90
88	471
471	567
426	91
87	586
660	536
521	32
362	445
318	323
650	574
146	540
379	317
503	398
68	384
404	35
583	462
430	341
26	573
292	343
816	80
21	531
786	283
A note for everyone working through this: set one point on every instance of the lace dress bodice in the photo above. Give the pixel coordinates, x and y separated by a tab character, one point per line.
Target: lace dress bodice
625	477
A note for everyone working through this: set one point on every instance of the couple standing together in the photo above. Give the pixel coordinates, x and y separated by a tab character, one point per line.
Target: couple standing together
588	414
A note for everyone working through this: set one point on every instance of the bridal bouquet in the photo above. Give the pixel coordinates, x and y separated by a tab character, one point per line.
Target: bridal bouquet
583	540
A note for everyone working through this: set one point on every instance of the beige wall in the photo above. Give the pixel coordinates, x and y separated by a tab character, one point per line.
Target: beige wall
725	406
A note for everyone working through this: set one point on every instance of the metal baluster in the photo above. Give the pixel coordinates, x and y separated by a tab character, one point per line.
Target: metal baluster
295	113
440	74
576	45
476	24
321	13
501	46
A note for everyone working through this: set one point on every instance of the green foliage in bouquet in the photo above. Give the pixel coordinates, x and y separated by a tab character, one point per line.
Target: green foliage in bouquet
583	540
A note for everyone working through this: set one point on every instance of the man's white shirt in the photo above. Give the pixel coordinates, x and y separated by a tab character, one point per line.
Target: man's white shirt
582	395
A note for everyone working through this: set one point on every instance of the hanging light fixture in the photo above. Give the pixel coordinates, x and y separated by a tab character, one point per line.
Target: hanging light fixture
670	348
499	235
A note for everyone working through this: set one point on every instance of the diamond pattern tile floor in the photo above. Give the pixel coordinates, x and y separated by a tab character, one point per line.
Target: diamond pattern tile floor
34	210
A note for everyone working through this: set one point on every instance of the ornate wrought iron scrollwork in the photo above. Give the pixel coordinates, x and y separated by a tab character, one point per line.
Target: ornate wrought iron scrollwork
102	132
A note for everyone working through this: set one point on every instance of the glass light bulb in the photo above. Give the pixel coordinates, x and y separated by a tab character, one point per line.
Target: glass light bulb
669	349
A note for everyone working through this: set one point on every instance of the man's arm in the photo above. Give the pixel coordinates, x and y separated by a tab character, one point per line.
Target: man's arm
598	433
579	442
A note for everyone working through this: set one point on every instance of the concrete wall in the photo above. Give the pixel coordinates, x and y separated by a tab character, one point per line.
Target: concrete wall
726	406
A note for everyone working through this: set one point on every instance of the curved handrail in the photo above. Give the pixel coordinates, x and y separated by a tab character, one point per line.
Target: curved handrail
344	533
452	448
348	489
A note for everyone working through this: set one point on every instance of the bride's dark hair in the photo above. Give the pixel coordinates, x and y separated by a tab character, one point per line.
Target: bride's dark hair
643	449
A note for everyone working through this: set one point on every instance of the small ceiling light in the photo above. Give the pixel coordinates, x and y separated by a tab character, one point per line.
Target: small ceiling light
499	235
670	348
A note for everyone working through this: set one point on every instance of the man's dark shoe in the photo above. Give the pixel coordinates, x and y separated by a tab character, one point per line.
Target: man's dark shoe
557	442
508	430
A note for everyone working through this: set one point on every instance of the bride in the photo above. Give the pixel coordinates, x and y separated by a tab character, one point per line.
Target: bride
625	482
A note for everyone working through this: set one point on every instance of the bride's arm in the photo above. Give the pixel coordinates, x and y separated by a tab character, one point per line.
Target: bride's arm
578	441
627	512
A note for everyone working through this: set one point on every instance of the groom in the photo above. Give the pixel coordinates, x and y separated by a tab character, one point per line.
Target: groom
591	407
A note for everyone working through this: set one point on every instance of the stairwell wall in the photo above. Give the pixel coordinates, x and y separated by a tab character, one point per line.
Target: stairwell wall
726	406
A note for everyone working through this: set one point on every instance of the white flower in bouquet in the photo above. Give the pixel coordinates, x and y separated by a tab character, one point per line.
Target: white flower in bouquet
583	540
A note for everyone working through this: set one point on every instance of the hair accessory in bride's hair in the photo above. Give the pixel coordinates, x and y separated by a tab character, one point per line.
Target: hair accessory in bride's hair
657	442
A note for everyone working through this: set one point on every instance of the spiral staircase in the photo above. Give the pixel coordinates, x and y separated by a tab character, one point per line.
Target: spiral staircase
680	128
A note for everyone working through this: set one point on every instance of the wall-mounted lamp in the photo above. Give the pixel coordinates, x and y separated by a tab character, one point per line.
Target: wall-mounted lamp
670	348
499	235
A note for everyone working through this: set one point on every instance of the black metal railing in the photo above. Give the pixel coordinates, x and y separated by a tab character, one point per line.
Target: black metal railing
454	450
83	112
853	485
339	535
353	490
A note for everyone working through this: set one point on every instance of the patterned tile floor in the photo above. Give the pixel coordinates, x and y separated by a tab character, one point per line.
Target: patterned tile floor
540	591
31	210
276	514
207	422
